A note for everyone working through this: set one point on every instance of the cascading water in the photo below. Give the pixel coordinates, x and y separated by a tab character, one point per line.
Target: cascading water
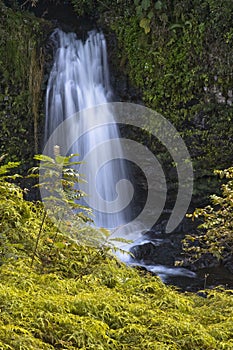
80	80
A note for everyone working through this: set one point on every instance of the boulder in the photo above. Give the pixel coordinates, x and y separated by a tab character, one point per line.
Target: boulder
154	254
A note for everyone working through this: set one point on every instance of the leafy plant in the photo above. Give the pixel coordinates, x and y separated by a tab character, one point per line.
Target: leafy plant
215	234
10	217
58	180
113	307
77	295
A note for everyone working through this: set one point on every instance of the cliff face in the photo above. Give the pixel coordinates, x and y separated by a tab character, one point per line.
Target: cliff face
180	58
21	77
176	59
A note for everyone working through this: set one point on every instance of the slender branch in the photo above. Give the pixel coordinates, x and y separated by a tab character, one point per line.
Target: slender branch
33	3
38	238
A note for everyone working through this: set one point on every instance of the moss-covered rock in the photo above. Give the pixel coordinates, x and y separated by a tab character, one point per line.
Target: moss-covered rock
183	64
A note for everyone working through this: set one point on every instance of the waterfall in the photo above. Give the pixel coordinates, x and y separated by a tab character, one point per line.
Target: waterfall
80	80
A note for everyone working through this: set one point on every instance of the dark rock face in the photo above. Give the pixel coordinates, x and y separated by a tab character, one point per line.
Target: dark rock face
206	261
228	263
159	248
152	253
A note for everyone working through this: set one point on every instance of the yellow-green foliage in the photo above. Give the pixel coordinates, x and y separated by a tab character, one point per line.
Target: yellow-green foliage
26	230
77	296
111	308
215	233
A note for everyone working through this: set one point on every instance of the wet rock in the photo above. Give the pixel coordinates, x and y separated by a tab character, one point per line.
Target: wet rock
139	268
228	263
152	234
206	261
202	294
152	253
229	266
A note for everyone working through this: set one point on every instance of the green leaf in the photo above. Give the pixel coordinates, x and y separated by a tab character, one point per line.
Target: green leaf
61	160
150	15
60	245
105	231
175	26
158	5
42	157
145	4
145	24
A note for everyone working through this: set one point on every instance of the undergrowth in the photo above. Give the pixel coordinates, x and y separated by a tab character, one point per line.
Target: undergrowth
77	295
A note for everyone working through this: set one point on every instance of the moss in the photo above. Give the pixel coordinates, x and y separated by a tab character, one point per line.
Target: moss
21	76
181	62
179	56
183	66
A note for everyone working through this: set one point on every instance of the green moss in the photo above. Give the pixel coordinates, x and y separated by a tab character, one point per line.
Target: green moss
180	59
183	66
21	74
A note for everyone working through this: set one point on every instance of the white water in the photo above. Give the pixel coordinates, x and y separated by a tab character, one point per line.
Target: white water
80	80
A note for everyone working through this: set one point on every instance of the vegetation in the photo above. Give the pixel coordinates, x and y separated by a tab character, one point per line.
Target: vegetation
215	234
21	78
78	296
179	54
61	287
23	220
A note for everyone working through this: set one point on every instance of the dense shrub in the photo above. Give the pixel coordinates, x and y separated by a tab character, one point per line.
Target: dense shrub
76	295
215	234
